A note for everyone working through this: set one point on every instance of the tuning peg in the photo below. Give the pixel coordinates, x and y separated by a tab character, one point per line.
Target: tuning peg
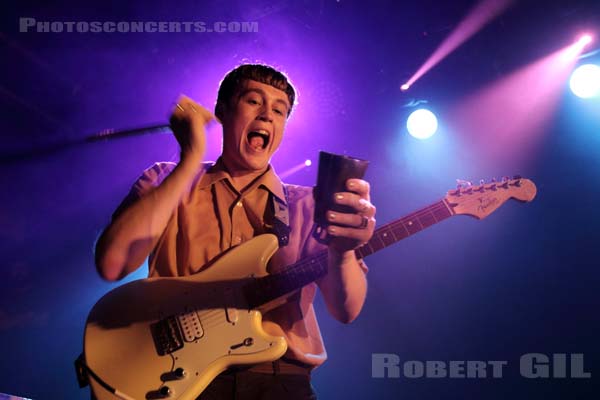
505	179
480	187
493	180
517	177
461	183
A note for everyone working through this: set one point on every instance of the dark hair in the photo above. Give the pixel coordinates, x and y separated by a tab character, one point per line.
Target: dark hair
233	81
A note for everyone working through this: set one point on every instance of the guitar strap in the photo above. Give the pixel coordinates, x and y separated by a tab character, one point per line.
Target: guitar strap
281	218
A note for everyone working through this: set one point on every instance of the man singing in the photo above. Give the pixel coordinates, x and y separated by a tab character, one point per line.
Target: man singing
184	215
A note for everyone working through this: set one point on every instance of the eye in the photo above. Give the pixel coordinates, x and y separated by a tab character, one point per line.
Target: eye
278	111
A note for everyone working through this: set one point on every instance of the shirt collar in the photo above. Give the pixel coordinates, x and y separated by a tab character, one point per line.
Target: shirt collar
268	179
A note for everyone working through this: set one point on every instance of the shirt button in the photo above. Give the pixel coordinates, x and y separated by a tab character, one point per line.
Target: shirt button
239	204
237	240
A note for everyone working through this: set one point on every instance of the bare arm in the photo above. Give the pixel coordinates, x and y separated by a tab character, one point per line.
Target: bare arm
131	236
344	288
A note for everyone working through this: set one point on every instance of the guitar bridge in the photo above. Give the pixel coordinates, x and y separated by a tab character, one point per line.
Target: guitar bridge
167	336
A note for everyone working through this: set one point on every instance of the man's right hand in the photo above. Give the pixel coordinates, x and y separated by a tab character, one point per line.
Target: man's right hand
188	122
133	233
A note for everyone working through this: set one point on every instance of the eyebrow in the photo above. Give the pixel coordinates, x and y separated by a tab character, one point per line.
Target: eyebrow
262	93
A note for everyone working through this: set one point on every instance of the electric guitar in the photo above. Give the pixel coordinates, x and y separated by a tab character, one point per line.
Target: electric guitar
169	337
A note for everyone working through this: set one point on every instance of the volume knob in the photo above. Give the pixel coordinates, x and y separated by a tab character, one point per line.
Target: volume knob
165	391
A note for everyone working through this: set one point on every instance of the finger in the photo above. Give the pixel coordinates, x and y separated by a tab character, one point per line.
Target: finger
359	186
185	106
360	235
344	219
361	205
180	104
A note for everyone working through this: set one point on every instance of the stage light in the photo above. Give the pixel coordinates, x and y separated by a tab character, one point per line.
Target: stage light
585	81
422	124
308	163
574	51
585	40
405	87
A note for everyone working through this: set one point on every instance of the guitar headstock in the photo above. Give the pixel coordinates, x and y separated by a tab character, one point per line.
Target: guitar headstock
481	200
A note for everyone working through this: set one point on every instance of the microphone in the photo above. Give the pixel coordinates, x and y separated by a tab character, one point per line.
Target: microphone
105	135
108	134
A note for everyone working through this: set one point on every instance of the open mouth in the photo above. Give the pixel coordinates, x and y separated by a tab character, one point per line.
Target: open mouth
258	140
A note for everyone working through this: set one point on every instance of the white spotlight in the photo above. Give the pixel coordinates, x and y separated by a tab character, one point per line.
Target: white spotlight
422	123
585	81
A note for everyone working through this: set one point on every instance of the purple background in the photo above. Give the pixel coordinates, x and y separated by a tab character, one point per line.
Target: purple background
524	280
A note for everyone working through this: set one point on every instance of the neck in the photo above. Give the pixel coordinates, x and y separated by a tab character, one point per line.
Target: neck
241	178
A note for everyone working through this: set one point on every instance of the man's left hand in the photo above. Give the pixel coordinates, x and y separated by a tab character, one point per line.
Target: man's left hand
351	230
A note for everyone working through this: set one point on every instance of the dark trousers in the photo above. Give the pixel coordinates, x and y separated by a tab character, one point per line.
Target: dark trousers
250	385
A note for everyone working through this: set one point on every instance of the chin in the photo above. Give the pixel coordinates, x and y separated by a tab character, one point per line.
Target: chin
257	165
254	163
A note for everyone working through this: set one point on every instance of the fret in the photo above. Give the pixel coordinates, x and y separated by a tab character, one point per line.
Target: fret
362	251
400	232
411	226
365	250
401	224
375	244
427	220
387	237
377	236
442	212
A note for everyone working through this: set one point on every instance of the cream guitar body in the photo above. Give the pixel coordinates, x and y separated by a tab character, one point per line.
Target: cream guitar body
161	337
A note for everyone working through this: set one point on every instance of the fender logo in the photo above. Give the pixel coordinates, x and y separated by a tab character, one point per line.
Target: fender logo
485	203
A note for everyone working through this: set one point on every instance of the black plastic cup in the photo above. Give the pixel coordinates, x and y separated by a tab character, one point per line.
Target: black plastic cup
334	171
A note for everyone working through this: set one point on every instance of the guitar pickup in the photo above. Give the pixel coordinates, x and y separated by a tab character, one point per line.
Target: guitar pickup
191	326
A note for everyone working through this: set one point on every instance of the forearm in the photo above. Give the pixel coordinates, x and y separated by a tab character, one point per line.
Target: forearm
344	287
131	236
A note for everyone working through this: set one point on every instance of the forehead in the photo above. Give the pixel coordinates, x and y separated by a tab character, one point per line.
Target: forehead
251	86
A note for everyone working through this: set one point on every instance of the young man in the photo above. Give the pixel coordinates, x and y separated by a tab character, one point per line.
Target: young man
183	216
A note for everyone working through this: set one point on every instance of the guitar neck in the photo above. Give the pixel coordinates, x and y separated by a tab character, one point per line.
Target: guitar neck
402	228
305	271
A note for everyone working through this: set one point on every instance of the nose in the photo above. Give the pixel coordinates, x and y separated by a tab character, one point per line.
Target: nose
266	115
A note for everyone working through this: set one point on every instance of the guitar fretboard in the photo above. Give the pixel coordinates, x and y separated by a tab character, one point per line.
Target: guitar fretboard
402	228
270	287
